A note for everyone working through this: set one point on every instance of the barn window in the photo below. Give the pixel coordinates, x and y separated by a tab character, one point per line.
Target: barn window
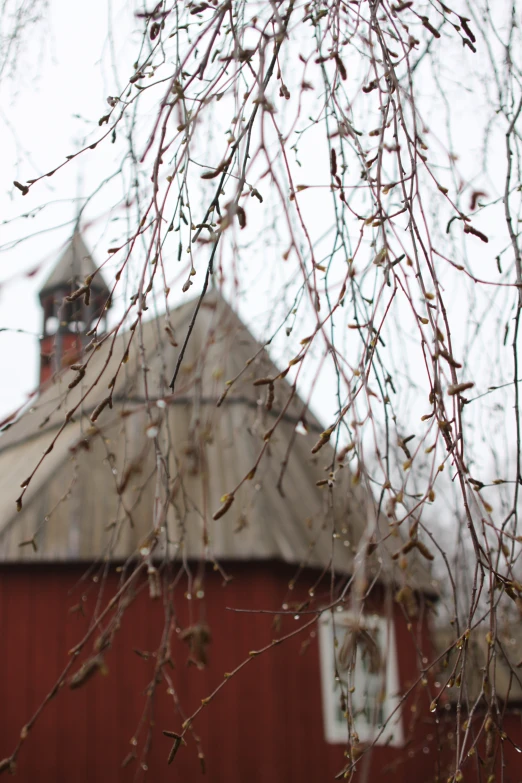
359	676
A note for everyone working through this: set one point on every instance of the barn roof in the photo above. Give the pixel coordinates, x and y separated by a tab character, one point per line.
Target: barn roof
158	465
75	264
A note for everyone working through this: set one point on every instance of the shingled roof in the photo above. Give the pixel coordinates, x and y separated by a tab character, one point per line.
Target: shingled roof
98	495
74	265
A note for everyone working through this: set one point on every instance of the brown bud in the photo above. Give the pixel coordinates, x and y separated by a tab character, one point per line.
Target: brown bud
23	188
78	379
86	671
457	388
423	549
76	294
323	438
269	397
227	501
241	216
470	230
99	408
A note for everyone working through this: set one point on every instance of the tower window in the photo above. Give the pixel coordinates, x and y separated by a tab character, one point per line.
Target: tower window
51	325
77	326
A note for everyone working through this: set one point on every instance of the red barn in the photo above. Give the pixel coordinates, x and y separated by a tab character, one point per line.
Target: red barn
129	607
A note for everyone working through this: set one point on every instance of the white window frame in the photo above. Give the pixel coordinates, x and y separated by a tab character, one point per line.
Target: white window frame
336	730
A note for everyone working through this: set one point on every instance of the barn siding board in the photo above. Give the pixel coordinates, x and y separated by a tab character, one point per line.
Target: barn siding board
511	757
231	696
73	712
46	662
16	651
102	733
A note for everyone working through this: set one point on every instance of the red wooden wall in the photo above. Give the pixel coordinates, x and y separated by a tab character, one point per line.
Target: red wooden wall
72	348
265	726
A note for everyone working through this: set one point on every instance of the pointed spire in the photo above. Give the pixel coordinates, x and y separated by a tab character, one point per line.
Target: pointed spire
74	266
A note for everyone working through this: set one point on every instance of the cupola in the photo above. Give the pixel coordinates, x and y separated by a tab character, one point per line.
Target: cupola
66	321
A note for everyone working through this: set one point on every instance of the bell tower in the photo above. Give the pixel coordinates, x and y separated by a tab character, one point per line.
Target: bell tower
66	322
